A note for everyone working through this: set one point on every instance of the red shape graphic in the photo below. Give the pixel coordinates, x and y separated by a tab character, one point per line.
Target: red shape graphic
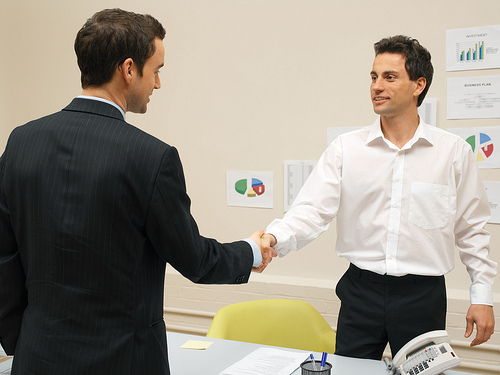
488	150
259	189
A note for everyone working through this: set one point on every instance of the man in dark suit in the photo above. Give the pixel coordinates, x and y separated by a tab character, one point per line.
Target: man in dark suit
91	210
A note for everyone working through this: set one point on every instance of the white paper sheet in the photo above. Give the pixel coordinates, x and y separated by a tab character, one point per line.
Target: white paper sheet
493	191
473	97
267	361
295	175
485	143
428	111
332	133
249	189
473	48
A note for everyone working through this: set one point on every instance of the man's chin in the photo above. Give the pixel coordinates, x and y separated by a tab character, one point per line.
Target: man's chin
379	110
139	111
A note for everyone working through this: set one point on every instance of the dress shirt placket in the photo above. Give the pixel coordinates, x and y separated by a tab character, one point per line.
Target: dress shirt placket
395	213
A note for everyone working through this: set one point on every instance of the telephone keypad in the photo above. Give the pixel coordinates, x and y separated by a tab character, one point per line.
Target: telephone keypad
420	361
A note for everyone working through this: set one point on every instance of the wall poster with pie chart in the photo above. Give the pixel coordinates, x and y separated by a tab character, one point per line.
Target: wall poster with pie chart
485	143
249	189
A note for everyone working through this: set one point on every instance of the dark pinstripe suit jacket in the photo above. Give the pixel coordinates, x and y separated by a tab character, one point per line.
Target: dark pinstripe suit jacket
91	209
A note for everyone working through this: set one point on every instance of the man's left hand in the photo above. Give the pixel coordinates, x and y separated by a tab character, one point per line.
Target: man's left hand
484	319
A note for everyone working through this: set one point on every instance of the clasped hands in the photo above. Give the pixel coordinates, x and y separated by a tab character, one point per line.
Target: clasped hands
266	242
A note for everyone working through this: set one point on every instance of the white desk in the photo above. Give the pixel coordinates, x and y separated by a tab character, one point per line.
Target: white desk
223	353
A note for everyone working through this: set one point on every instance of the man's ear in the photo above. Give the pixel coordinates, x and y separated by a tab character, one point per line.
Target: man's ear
421	83
126	69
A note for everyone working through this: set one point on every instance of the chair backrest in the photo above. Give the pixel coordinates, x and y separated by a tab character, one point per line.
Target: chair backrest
277	322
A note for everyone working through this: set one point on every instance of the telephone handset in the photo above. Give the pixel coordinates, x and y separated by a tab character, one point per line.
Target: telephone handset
427	354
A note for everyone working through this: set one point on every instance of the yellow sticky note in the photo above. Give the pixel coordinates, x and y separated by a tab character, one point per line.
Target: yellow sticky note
197	345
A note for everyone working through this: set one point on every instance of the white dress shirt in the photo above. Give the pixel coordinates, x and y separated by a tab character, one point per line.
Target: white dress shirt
399	211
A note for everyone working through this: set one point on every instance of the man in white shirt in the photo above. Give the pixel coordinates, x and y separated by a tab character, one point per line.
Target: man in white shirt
405	195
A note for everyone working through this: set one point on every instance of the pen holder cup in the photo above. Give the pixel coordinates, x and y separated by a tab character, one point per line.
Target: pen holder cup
308	368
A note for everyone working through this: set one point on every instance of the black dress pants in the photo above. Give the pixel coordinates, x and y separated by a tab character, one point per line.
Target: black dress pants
380	309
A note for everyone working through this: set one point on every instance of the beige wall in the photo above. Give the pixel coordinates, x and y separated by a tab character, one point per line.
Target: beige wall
248	84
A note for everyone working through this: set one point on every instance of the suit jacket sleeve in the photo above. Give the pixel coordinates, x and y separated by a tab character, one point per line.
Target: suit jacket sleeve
174	234
13	294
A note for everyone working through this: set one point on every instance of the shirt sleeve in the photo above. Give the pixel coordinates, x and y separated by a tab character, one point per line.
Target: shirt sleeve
257	255
315	206
471	238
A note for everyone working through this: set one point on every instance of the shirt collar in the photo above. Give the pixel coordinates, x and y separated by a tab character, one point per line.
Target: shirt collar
422	133
104	101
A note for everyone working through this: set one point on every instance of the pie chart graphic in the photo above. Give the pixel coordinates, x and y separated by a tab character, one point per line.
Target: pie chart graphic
250	187
482	146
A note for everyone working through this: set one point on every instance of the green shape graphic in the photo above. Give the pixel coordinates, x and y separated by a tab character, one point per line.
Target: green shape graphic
241	186
472	141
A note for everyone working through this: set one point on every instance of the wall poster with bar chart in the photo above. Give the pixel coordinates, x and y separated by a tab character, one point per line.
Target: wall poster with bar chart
473	48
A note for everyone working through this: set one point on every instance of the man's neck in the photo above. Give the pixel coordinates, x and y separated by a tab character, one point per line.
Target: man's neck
101	92
399	131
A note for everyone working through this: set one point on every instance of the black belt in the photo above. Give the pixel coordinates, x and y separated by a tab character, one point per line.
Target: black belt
388	279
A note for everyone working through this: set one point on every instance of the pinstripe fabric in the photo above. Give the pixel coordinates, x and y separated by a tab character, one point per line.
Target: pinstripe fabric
91	208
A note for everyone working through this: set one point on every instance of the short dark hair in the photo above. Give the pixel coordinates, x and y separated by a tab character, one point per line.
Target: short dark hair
418	58
110	37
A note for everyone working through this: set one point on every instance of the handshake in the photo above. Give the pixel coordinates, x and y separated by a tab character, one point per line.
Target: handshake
266	242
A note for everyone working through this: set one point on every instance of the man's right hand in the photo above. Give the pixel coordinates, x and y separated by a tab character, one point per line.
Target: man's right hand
267	252
268	241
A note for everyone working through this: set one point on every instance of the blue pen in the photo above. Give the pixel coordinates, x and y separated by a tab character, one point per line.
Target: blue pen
323	360
314	362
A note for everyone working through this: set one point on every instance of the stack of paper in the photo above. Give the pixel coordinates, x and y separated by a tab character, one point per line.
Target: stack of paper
267	361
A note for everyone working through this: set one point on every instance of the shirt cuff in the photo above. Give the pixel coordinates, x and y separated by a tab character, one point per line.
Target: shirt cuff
481	294
257	255
283	236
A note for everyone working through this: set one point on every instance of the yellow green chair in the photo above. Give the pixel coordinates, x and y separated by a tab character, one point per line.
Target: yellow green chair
277	322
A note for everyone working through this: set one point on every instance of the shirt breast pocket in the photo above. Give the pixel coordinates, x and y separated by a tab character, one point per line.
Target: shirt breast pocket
429	205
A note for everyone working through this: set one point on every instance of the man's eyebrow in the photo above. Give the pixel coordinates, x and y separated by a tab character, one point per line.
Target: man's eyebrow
387	72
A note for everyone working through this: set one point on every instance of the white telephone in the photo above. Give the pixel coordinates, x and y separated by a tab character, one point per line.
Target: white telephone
427	354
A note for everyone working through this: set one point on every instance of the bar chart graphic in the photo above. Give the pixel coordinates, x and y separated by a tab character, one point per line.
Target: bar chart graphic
473	48
470	51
